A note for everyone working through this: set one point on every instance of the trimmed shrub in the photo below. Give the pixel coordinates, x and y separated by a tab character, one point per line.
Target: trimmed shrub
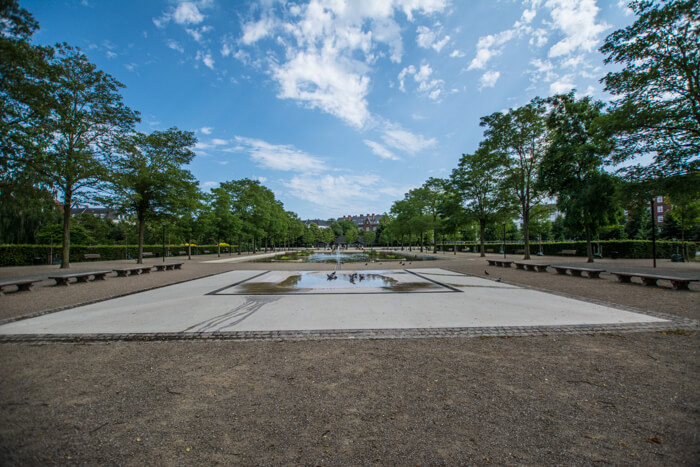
630	249
22	255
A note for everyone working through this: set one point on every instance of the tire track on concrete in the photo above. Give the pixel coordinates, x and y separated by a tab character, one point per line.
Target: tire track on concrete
232	317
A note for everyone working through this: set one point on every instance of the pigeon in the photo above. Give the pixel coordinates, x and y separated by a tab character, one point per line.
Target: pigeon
498	280
486	272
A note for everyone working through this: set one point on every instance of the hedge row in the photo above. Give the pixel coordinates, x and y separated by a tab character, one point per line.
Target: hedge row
21	255
633	249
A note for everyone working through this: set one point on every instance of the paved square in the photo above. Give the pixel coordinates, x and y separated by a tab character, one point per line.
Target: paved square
294	301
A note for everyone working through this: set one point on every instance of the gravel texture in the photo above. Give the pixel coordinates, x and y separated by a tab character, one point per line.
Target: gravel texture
561	399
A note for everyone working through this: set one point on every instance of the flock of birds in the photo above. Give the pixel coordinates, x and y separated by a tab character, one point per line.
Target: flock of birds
333	276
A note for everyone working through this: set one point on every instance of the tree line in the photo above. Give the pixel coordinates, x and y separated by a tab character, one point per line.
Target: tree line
67	134
564	152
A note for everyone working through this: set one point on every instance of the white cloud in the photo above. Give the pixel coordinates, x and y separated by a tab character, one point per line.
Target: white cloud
398	138
327	83
427	38
206	130
426	86
344	193
457	54
206	58
490	46
329	48
131	66
279	157
488	79
576	20
562	85
227	47
110	54
543	70
209	185
175	46
380	150
187	13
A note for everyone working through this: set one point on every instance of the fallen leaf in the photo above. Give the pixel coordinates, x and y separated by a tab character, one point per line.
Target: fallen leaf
653	439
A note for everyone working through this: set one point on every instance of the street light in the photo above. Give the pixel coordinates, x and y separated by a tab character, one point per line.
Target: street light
504	239
164	242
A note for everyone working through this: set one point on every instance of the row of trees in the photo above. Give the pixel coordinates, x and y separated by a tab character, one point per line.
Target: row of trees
564	148
65	131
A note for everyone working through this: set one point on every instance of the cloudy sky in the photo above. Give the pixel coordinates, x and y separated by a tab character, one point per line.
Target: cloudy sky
338	106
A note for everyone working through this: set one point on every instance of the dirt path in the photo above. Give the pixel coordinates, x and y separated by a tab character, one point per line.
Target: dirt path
584	399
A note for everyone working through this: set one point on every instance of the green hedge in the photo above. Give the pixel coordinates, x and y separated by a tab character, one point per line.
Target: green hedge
22	255
633	249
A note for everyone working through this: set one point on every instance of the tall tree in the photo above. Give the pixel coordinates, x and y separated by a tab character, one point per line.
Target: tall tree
572	168
658	113
477	182
252	204
522	138
433	192
86	121
148	178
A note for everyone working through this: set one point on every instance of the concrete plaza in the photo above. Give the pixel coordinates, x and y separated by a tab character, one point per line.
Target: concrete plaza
397	299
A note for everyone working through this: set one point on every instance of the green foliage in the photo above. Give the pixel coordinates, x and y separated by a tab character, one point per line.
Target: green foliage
659	112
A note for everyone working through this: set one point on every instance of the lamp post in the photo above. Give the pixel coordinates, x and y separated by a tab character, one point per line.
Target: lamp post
504	239
164	242
653	232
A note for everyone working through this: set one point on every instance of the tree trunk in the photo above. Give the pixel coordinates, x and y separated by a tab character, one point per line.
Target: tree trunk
526	232
239	244
482	232
589	245
435	237
254	244
189	247
142	228
65	251
218	247
454	238
421	242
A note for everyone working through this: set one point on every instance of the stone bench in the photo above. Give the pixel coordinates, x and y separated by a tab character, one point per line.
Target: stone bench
499	262
92	256
679	283
132	271
147	254
489	250
568	252
520	251
532	266
576	271
64	279
168	266
23	285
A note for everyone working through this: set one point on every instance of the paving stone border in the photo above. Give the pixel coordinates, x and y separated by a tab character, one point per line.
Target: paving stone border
675	324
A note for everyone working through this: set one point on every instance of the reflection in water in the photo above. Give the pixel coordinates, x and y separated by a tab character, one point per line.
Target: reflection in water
308	281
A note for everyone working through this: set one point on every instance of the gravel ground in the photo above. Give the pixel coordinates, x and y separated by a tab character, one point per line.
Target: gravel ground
586	399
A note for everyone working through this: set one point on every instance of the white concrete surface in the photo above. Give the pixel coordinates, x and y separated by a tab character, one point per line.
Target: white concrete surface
190	307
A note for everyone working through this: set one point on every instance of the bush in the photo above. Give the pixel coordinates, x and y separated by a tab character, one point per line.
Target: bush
22	255
630	249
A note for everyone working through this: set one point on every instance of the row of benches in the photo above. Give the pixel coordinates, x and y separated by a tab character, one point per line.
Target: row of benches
679	283
24	285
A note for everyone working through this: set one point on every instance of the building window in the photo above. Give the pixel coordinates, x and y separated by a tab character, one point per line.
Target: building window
660	219
659	199
659	209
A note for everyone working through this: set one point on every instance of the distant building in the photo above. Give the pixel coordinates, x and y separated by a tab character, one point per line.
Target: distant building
366	223
661	206
103	213
321	224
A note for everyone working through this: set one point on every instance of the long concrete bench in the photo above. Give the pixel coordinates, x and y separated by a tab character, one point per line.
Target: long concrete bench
23	285
133	270
92	256
168	266
568	252
499	262
576	271
64	279
679	283
532	266
147	254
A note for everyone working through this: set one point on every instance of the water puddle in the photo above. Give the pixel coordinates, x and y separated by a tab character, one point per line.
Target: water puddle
323	282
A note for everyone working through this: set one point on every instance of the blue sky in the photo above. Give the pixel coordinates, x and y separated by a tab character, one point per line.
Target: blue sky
339	107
